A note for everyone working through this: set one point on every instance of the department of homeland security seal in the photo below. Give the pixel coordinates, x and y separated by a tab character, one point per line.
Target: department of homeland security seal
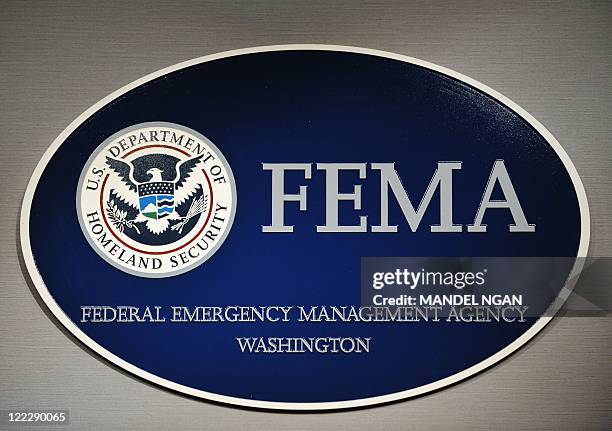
156	199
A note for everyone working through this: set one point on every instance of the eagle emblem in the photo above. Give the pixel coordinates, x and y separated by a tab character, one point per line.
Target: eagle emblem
155	193
156	199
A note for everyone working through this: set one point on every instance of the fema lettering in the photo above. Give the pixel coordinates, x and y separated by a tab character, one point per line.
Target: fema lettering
390	184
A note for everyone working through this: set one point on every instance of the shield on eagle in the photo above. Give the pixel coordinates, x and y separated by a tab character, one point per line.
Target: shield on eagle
156	199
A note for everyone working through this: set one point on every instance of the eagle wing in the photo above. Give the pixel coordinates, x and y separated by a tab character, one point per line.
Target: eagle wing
125	189
185	185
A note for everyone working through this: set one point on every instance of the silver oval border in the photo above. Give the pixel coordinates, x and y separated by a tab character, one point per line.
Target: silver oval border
177	126
66	322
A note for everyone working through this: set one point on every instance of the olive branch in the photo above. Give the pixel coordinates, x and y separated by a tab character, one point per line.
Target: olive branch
119	217
198	206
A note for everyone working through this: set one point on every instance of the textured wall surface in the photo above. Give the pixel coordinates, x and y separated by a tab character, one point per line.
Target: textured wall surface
554	58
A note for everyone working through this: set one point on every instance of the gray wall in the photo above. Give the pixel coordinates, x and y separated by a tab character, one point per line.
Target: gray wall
551	57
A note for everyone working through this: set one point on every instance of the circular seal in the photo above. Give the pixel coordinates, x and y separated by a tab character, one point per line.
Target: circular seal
156	199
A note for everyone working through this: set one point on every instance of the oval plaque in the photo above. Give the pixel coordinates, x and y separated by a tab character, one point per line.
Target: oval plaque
304	227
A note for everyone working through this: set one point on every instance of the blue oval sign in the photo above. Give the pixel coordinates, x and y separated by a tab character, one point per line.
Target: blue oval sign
304	227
